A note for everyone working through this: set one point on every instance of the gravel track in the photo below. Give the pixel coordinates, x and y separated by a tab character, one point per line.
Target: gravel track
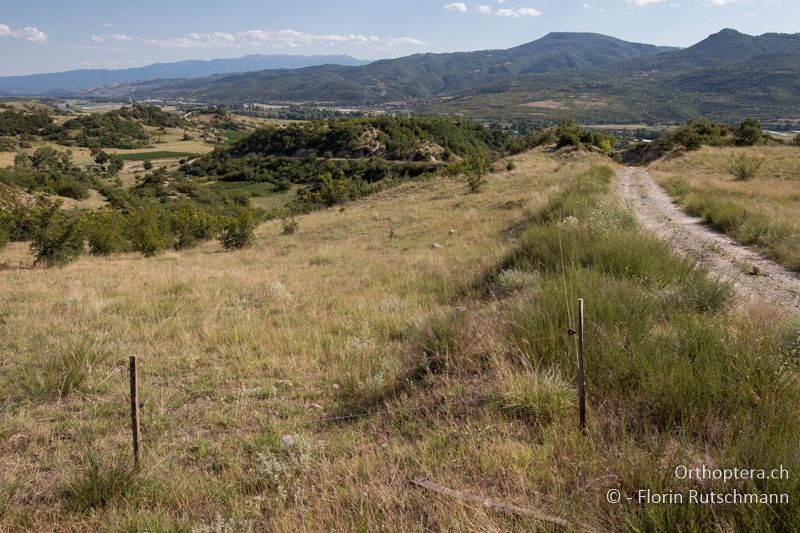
725	258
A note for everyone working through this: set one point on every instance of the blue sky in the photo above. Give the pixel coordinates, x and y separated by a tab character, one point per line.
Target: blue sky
55	35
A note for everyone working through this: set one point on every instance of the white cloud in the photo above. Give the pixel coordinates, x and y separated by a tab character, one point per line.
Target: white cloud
484	9
516	12
118	37
641	3
28	33
461	7
281	38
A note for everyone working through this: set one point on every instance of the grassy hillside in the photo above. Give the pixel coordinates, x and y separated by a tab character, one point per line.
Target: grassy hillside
284	389
343	159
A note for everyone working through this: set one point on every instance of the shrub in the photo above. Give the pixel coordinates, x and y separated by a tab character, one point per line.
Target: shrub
57	235
115	165
476	168
797	140
512	165
290	225
5	228
105	232
148	165
239	230
744	167
190	225
749	132
148	234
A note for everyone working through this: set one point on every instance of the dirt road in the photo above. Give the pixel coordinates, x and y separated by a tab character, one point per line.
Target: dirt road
751	275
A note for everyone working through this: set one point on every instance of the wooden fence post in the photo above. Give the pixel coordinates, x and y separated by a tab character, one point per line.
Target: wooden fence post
581	372
135	425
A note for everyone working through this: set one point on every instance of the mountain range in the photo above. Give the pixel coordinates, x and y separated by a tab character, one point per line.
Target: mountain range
407	78
62	83
593	78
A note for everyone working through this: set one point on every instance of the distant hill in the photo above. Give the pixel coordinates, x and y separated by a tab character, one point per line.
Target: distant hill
594	78
727	77
78	80
414	77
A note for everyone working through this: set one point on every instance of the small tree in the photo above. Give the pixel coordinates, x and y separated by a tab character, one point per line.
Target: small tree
105	232
749	132
569	133
476	169
148	165
744	167
148	235
100	157
238	230
190	224
57	237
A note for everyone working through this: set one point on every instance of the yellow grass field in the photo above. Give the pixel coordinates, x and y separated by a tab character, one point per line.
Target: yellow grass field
240	349
761	212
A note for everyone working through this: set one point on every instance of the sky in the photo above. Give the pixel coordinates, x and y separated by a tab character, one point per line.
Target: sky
55	35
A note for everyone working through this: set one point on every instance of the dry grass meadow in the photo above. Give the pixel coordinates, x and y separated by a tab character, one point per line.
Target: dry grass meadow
761	212
238	350
300	385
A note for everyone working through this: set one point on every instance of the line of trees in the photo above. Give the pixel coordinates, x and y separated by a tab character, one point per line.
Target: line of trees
59	236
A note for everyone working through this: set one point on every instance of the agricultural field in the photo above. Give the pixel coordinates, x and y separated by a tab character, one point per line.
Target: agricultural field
761	212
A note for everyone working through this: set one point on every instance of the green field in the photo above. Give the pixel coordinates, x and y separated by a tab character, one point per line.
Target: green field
152	156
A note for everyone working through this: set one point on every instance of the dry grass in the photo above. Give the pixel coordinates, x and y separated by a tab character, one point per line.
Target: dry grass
239	349
772	199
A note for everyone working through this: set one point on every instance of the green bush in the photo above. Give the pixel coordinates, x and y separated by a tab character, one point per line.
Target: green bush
238	230
797	140
57	235
749	132
105	232
744	167
191	225
148	231
5	228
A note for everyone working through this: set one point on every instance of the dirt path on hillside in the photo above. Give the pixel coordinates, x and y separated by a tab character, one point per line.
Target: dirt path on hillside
724	257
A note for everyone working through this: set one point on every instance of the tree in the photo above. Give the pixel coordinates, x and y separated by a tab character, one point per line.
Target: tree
57	235
100	157
148	234
191	225
749	132
105	232
569	133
